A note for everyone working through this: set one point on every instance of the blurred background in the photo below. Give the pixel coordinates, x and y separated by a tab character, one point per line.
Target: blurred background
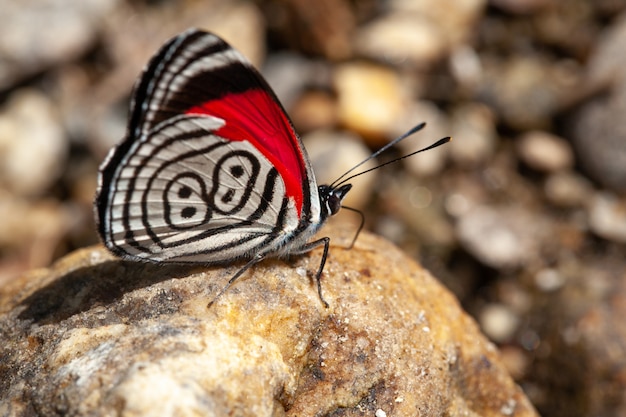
522	215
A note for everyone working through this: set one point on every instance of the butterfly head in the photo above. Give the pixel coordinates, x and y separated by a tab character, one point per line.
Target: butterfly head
331	198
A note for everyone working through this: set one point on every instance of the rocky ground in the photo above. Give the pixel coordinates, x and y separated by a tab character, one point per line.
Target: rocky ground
522	215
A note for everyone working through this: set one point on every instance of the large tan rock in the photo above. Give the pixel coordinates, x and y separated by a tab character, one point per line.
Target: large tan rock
97	336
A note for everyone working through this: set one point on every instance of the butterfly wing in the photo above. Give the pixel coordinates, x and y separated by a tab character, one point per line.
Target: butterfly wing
211	168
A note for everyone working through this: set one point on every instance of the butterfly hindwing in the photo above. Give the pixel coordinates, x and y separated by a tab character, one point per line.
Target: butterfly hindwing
187	195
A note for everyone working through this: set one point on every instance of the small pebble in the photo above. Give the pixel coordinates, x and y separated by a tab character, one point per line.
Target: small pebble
548	280
567	189
334	153
523	89
288	74
454	20
466	67
544	151
400	38
371	98
26	45
457	204
314	110
498	322
515	361
598	127
35	237
607	217
241	24
33	144
508	409
473	134
500	238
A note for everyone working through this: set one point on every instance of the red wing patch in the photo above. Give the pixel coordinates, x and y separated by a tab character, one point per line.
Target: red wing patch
254	116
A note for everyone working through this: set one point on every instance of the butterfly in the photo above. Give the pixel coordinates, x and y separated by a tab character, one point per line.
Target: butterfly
211	170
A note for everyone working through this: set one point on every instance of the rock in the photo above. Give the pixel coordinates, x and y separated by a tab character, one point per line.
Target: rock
549	279
322	27
419	32
314	110
473	134
94	335
26	48
402	38
466	67
34	237
290	74
240	23
525	92
597	128
332	154
581	332
499	322
544	151
33	145
607	217
370	99
568	189
515	360
597	338
502	238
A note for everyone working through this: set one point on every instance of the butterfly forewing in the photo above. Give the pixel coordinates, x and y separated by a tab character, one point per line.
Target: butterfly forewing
211	169
198	73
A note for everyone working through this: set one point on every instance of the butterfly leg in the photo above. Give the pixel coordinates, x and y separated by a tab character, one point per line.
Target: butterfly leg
251	262
318	276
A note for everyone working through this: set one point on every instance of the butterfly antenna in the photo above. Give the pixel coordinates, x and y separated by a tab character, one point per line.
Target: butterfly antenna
341	181
416	128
